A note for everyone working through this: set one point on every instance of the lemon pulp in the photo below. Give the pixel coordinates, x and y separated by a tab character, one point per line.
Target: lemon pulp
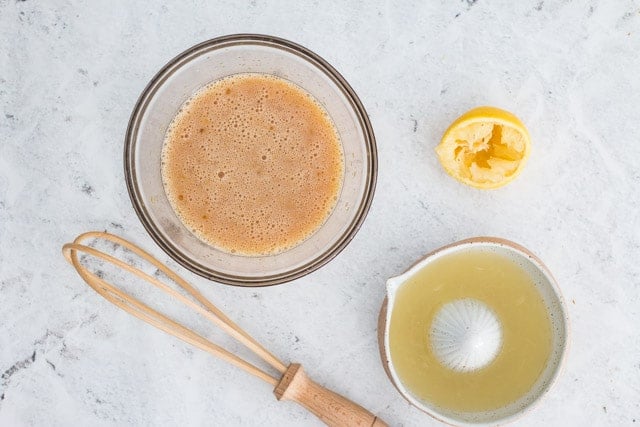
486	147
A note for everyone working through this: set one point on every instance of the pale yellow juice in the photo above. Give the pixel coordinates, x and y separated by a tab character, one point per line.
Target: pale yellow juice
509	292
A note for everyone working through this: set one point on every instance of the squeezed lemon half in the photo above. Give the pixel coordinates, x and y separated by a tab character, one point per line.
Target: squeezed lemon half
486	147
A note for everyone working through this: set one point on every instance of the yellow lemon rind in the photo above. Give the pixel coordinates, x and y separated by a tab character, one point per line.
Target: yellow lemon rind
500	117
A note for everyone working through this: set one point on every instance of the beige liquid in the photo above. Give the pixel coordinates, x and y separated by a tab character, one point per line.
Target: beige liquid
526	331
252	164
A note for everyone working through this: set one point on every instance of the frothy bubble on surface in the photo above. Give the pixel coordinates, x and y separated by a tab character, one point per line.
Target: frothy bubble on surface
260	161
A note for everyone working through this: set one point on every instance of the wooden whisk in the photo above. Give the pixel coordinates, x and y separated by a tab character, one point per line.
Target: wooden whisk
332	408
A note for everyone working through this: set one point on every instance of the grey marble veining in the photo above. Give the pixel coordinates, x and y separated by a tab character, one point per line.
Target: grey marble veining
70	73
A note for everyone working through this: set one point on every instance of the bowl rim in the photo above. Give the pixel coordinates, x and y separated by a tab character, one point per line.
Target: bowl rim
131	174
384	317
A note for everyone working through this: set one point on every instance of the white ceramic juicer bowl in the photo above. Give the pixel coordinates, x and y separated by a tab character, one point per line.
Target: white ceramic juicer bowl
466	335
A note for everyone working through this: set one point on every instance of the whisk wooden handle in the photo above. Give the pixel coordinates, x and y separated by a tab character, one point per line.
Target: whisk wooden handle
333	409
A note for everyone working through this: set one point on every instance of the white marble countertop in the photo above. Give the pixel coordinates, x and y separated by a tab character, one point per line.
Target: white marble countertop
70	73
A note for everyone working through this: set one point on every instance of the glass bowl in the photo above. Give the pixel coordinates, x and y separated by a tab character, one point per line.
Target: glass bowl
212	60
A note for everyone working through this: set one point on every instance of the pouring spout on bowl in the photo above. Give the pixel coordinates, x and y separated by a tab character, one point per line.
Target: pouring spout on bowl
393	284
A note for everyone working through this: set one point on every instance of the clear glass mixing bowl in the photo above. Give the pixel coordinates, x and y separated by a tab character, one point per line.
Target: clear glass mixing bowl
212	60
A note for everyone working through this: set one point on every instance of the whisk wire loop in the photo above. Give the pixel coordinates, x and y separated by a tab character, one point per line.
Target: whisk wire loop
159	320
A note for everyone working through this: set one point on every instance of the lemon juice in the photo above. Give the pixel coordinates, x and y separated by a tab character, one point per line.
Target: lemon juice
511	308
